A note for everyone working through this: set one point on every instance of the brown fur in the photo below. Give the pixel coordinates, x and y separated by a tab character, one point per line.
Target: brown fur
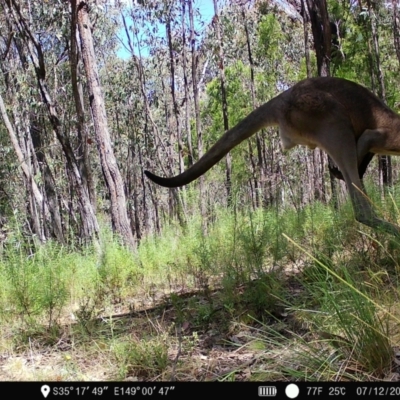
342	118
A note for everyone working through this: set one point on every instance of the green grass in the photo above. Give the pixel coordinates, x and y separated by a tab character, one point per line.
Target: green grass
309	294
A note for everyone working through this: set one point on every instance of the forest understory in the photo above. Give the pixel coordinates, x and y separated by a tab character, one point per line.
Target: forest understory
265	296
257	271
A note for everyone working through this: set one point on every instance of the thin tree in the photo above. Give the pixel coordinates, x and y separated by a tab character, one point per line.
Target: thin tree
257	182
396	28
34	50
385	162
175	132
321	29
112	175
44	206
82	131
37	195
151	132
221	65
172	87
196	101
186	86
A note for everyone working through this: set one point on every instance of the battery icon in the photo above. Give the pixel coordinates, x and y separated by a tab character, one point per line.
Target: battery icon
267	391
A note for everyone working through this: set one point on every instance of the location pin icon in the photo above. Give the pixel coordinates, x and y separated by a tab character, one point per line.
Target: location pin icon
45	389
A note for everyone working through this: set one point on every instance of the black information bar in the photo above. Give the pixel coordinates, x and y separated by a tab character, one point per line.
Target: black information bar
187	390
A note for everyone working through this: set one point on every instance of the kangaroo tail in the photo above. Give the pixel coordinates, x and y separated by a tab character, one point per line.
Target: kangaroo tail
261	117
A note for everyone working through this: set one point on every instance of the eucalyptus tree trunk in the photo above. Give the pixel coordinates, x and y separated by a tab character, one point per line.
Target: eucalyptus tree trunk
38	204
385	162
151	135
197	112
134	188
186	87
396	28
258	183
112	175
82	131
320	26
306	20
176	201
309	157
173	94
52	198
89	225
221	63
321	29
44	206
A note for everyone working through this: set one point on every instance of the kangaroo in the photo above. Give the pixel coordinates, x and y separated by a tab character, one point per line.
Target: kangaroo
339	116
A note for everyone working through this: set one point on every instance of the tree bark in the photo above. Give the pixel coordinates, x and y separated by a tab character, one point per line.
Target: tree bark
37	195
197	113
396	28
173	94
309	157
228	159
151	136
186	87
49	210
306	20
113	179
89	222
83	159
258	183
321	29
178	200
52	198
385	162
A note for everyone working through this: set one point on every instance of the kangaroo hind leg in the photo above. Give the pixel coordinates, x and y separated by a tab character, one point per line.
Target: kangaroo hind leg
339	142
